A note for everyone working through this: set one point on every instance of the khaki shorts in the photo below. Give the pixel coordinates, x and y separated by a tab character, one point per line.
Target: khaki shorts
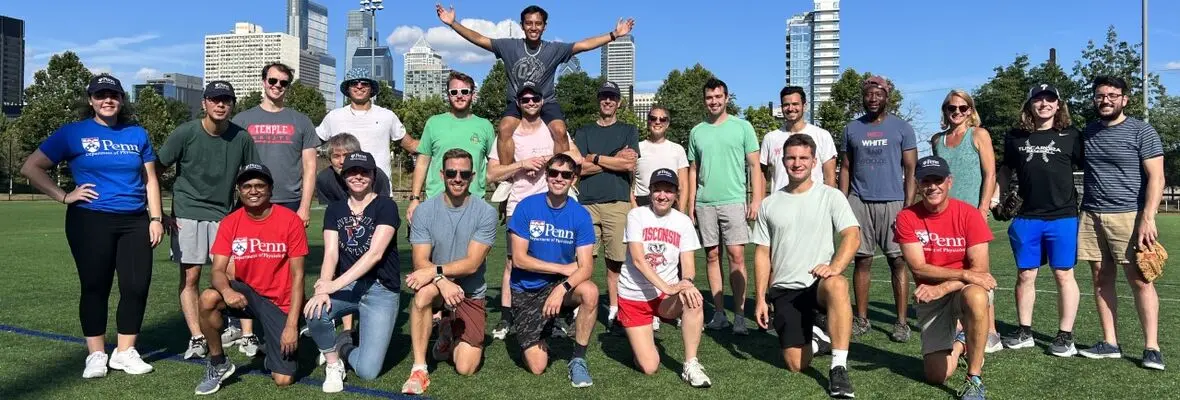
876	220
610	221
723	222
1108	237
938	321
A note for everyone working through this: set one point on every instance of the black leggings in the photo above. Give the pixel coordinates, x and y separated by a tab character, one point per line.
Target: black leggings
103	243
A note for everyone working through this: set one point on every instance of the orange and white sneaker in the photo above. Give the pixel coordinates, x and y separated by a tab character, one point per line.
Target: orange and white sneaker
418	382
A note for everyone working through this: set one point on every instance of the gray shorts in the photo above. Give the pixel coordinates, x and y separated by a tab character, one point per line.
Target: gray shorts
723	222
876	220
191	244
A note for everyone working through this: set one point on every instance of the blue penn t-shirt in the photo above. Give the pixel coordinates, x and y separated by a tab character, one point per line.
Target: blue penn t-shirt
111	158
554	236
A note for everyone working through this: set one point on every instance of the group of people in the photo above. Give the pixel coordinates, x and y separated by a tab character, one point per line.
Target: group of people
244	187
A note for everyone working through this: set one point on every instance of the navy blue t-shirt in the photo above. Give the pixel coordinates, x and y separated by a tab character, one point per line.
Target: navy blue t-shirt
111	158
356	234
554	236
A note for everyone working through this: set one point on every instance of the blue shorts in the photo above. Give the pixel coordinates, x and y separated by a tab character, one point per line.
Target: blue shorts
1036	241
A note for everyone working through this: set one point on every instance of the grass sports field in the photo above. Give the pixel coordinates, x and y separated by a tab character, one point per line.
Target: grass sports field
41	353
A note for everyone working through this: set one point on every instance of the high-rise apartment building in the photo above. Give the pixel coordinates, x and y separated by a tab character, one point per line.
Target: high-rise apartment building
813	52
379	60
642	104
618	63
308	21
185	88
238	57
425	72
12	62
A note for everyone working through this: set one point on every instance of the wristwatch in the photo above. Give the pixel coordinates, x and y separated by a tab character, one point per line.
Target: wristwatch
596	156
567	286
156	219
438	273
415	197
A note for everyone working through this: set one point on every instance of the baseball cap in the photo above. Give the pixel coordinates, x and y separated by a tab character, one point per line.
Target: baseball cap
932	166
527	87
609	88
104	82
251	171
219	89
877	81
1038	89
664	175
359	159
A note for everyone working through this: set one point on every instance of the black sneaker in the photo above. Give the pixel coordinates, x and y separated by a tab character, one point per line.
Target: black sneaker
1063	345
560	328
1018	339
839	386
1153	359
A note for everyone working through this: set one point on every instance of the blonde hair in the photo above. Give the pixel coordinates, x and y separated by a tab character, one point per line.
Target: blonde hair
973	120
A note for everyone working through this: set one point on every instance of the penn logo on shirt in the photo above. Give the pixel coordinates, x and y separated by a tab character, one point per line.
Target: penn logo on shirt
239	246
246	247
96	146
941	243
544	231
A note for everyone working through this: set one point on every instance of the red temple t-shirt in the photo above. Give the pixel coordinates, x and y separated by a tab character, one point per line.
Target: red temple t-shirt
262	250
945	236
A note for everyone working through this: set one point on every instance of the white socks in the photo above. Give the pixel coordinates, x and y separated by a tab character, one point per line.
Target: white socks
419	367
614	312
839	358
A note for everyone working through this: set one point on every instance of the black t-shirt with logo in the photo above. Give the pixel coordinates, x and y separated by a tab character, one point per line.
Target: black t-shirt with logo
1044	162
356	235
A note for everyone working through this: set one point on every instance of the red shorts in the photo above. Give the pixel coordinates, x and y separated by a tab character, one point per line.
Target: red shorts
633	313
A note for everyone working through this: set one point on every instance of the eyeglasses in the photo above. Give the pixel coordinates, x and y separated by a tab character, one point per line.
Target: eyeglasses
1110	96
277	81
253	187
950	108
528	99
567	175
459	92
655	119
462	174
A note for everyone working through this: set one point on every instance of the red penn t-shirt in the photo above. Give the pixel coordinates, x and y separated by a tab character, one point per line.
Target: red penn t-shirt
945	236
262	250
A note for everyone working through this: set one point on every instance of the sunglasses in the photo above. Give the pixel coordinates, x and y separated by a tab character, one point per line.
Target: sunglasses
462	174
567	175
362	84
657	119
277	81
951	108
528	99
105	94
459	92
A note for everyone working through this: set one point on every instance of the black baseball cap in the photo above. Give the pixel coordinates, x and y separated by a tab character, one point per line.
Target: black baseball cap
664	175
932	166
359	159
1042	88
609	87
104	82
528	87
219	89
251	171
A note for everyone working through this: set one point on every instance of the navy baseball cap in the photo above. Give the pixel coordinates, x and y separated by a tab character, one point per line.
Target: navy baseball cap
219	89
664	175
609	87
527	87
1038	89
359	159
251	171
932	166
104	82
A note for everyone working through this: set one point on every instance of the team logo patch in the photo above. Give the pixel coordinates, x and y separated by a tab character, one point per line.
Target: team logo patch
536	228
923	236
239	246
90	144
655	255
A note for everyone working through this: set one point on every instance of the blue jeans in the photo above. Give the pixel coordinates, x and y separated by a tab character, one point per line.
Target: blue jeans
377	307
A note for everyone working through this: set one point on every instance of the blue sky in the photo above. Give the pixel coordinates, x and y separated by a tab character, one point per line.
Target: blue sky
926	47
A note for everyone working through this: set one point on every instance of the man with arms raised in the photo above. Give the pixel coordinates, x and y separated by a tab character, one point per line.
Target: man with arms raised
945	242
794	103
531	60
796	261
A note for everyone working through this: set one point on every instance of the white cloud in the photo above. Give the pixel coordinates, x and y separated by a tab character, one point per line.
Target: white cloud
102	69
146	73
1172	65
112	44
452	47
126	57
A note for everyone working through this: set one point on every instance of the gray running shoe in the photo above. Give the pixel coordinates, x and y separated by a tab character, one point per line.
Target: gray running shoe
1062	345
739	326
1153	359
249	345
860	326
579	373
214	375
901	333
1019	339
973	389
197	348
719	322
1102	350
560	328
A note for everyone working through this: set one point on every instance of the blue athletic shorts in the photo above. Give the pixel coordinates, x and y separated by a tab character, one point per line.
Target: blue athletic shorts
1036	242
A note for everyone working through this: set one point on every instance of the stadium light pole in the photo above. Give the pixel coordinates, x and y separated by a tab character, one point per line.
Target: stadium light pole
1143	64
371	7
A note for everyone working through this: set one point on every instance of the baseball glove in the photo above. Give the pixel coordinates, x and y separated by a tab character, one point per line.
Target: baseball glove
1151	261
1009	206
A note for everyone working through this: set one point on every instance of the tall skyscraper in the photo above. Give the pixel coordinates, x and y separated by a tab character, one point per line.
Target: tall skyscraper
308	21
572	66
618	62
813	52
12	62
185	88
426	74
238	57
359	33
382	63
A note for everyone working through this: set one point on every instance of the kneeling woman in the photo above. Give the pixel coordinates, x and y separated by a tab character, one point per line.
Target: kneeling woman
359	239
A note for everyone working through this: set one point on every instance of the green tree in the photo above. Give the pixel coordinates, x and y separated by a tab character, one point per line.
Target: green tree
385	97
253	99
683	93
307	100
491	94
1000	99
845	103
159	115
578	96
762	118
1114	58
413	113
1165	117
627	115
53	99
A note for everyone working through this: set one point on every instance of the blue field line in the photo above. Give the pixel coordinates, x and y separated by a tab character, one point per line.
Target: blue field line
164	355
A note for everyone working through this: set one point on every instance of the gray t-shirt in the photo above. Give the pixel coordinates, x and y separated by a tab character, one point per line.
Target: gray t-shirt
538	66
1113	179
280	138
799	230
876	150
450	229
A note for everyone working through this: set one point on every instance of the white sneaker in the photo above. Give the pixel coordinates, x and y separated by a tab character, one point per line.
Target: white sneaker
694	374
320	360
655	324
334	377
129	361
230	337
96	365
197	348
248	345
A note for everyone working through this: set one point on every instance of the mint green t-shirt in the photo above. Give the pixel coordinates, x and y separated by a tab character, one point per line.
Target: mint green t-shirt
720	153
800	230
444	132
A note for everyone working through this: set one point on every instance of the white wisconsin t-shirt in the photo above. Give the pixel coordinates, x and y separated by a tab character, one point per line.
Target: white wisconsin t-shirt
772	154
663	238
375	129
666	154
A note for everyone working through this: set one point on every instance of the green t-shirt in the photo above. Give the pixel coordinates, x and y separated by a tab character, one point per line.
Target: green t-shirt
720	153
445	132
606	186
205	168
799	230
